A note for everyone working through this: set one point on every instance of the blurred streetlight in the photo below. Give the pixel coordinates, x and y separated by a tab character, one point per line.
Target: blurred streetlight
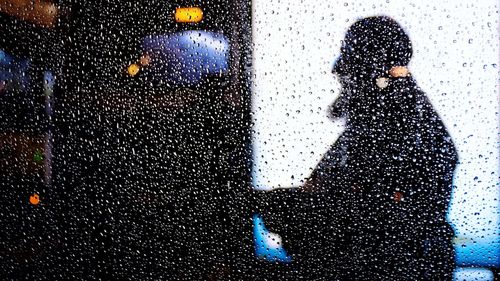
42	13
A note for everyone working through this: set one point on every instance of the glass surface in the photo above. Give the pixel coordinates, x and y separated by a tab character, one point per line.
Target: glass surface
202	140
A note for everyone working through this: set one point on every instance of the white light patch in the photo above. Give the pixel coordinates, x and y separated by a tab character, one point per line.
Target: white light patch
273	240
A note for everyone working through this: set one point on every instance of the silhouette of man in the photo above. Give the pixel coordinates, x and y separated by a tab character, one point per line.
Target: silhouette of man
389	175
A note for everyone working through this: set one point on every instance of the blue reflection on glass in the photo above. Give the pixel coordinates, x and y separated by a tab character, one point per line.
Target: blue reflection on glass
13	73
267	244
475	251
185	58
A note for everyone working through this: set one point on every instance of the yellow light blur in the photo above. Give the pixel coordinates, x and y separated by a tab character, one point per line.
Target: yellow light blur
133	69
188	15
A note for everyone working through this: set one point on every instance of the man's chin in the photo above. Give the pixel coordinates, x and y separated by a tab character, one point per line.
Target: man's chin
338	109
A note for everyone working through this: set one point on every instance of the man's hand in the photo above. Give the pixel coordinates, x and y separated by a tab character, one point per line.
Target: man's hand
309	186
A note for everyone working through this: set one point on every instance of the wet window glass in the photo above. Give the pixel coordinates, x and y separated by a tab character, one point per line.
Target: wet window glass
249	140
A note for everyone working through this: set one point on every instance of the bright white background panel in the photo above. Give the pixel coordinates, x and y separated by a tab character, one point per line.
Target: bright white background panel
456	49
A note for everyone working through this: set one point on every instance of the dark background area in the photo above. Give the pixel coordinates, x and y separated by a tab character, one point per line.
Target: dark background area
145	182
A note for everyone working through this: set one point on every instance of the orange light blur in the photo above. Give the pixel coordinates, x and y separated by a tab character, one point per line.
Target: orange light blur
188	15
40	12
399	71
398	196
145	60
34	199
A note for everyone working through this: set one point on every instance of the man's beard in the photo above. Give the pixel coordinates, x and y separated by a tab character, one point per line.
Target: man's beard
340	107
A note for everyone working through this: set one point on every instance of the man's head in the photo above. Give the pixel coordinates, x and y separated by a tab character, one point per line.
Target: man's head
371	47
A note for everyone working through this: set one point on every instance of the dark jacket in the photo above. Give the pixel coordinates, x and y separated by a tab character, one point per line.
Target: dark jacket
381	194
